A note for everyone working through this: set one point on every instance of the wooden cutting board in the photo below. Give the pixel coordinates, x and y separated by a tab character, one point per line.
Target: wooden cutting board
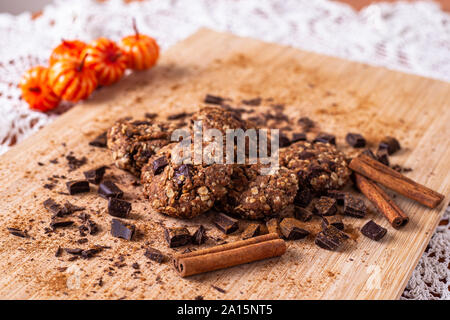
341	96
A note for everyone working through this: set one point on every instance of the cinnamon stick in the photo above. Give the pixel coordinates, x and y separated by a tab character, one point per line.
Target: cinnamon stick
394	180
381	200
229	255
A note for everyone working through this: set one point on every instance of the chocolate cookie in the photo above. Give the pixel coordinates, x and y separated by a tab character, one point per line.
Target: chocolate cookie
319	166
219	118
183	190
132	143
253	195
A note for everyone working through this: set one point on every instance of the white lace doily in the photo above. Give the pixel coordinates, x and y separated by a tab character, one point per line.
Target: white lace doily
411	37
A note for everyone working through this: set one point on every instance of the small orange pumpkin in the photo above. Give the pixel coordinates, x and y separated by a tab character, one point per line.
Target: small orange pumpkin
106	59
142	51
71	80
67	49
36	90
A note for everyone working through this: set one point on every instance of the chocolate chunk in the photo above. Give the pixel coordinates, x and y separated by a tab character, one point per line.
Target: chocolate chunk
108	189
118	208
298	136
199	236
49	186
17	232
213	99
95	176
283	141
74	251
218	289
99	141
89	253
335	221
141	123
75	163
79	186
55	208
325	206
273	226
306	123
303	197
354	207
292	229
383	157
60	224
88	227
58	252
177	237
122	230
225	223
302	214
325	138
155	255
369	153
159	165
183	173
178	116
150	115
355	140
252	102
70	208
330	238
252	230
373	231
390	144
338	195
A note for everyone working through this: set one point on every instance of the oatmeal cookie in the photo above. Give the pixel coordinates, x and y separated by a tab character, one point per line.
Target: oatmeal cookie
183	190
218	118
132	143
319	166
253	195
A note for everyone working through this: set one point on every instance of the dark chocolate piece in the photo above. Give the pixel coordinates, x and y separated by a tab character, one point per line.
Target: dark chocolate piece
390	144
122	230
325	206
252	102
213	99
325	138
383	157
74	251
273	226
335	221
355	140
183	173
283	141
338	195
306	123
178	116
369	153
177	237
199	236
78	186
108	189
155	255
373	231
330	238
225	223
302	214
60	224
71	208
252	230
293	229
75	163
150	115
58	252
303	197
55	208
99	141
159	165
298	136
17	232
95	176
88	227
118	207
89	253
354	207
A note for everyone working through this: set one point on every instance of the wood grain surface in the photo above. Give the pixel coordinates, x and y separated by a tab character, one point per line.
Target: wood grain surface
341	96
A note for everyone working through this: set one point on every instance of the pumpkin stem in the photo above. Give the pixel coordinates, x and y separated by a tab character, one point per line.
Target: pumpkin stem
135	28
80	67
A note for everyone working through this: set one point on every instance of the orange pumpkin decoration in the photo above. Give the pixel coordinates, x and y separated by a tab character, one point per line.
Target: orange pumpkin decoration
67	49
142	51
106	59
36	90
71	80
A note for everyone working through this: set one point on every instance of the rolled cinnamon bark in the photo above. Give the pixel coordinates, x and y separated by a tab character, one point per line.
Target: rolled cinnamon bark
229	255
381	200
394	180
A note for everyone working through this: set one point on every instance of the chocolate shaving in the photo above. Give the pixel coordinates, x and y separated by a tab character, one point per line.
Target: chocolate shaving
155	255
17	232
100	141
75	163
210	99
